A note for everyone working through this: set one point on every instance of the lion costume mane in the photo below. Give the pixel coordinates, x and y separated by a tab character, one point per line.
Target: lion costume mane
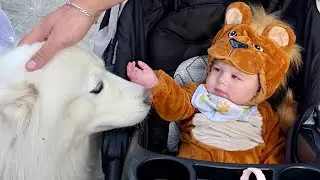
255	43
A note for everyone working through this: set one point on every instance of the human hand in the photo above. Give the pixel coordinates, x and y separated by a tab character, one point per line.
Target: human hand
62	28
143	75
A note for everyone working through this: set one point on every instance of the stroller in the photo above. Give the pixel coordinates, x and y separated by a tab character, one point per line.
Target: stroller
174	35
165	33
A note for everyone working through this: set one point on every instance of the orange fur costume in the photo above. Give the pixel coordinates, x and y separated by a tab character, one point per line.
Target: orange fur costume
255	43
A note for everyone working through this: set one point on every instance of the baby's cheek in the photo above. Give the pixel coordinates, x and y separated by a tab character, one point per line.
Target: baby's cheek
210	87
211	83
237	95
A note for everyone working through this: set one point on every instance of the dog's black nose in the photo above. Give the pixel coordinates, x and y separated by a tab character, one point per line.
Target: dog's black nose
147	97
236	44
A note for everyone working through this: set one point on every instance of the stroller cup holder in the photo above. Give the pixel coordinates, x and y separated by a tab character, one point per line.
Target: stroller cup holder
141	164
299	172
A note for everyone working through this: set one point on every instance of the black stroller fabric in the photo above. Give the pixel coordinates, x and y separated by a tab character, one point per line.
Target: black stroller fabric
164	33
305	134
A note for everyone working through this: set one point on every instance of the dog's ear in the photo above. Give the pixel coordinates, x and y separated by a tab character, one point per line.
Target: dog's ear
16	103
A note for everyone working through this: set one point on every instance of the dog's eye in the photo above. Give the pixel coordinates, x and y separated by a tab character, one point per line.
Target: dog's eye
232	34
98	88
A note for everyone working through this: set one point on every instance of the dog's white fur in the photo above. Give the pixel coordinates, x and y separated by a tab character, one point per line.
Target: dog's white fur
49	117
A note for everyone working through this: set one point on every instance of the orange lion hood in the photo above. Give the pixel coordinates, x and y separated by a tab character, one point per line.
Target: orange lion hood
256	43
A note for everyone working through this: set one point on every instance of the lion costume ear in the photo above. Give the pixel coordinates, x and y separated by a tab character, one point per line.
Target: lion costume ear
281	35
238	13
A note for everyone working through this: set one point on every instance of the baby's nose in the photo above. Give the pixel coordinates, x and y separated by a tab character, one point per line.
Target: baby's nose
223	80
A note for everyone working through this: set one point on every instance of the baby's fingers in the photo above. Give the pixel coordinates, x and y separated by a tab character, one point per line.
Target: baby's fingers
133	64
143	65
130	69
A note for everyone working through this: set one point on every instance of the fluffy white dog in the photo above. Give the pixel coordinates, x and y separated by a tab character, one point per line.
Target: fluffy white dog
49	117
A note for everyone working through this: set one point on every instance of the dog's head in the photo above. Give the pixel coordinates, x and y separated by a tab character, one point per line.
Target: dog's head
73	92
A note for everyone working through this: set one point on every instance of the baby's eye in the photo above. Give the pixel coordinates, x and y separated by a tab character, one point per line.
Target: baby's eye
235	77
216	69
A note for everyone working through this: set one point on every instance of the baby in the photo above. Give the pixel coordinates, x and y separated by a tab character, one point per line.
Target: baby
227	119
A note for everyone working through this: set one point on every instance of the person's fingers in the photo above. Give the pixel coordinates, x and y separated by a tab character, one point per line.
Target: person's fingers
129	69
133	68
42	56
143	65
133	64
132	71
145	68
36	35
138	70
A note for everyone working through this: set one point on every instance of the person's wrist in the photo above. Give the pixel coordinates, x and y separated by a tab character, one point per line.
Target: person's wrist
94	7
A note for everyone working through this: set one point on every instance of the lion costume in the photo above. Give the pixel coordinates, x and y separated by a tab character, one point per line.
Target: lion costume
255	43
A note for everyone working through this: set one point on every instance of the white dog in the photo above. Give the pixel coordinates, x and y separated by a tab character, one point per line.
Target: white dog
48	117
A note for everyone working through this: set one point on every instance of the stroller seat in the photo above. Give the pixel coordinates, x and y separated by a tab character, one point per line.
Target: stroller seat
174	35
191	70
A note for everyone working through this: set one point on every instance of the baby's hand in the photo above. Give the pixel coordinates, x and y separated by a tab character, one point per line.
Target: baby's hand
143	75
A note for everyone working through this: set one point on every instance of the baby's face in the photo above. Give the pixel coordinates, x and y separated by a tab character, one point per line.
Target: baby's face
228	82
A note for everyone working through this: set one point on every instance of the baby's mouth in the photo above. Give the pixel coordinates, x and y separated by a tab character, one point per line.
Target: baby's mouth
220	93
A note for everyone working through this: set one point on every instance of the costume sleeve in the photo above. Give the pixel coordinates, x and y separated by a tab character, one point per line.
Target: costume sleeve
273	152
171	101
